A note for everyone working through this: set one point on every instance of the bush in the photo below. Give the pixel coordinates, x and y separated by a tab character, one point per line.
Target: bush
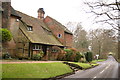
38	56
6	56
61	56
6	35
68	55
78	57
88	56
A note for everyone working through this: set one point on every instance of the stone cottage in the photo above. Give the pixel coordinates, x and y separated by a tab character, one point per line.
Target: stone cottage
32	35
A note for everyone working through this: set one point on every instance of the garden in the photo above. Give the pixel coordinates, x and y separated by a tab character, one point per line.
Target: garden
50	70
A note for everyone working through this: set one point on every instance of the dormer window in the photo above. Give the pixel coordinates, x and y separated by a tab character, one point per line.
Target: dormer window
59	35
29	28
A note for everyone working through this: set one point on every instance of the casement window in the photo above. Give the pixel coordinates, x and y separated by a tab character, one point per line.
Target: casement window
54	50
59	35
36	47
29	28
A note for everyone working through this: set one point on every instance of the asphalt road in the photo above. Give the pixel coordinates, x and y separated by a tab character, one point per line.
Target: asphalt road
106	69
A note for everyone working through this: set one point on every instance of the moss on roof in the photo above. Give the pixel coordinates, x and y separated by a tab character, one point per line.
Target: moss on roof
31	21
38	35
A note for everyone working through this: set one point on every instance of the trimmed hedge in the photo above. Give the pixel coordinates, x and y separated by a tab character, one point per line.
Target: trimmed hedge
88	56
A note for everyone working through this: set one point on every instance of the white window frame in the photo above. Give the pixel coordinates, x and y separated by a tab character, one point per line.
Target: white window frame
36	47
29	28
59	35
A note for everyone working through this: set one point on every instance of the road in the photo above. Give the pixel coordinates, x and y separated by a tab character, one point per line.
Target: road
106	69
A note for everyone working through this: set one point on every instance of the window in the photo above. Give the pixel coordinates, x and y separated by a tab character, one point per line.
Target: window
17	20
29	28
54	50
59	35
36	47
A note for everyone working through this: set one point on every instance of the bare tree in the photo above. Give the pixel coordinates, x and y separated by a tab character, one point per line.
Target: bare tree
103	41
106	12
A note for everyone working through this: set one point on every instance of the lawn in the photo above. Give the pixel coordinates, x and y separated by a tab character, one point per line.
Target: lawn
34	70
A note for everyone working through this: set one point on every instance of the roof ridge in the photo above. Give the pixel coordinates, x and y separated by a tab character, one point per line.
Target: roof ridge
42	22
26	14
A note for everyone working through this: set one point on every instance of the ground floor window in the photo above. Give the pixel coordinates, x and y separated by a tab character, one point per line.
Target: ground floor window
36	47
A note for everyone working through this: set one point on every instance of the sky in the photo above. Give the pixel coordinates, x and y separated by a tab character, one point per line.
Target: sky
63	11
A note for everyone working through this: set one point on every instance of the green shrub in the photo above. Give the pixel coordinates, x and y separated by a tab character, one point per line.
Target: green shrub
68	55
38	56
72	55
6	56
88	56
78	57
6	35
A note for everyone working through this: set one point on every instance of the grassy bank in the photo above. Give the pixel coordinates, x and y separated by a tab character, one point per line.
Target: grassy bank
84	65
34	70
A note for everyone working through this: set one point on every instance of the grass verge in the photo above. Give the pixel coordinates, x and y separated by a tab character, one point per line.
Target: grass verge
83	65
99	60
34	70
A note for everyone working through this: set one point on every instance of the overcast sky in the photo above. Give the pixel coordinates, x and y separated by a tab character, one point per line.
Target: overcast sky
61	10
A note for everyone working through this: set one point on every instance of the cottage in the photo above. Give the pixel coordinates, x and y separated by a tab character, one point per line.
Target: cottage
32	35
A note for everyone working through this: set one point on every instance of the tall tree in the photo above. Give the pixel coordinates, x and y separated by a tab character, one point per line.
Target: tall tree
80	38
103	41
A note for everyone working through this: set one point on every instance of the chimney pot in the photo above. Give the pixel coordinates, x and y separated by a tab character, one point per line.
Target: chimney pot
41	13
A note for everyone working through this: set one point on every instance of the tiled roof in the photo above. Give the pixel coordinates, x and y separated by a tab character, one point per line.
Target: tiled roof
39	34
62	26
13	12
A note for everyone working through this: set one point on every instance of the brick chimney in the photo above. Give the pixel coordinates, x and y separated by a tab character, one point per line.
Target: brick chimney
41	13
6	6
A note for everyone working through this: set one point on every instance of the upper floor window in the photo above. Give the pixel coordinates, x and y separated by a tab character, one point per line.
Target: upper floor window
29	28
17	20
59	35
